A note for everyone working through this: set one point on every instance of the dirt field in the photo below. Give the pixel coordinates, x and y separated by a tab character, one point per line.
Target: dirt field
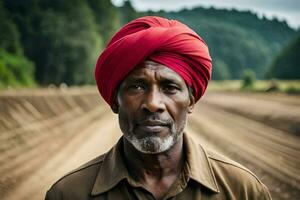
46	133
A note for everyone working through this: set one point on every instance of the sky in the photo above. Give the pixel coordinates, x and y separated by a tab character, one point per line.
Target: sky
288	10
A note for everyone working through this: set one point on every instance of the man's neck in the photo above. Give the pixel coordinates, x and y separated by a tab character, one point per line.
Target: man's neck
155	172
155	166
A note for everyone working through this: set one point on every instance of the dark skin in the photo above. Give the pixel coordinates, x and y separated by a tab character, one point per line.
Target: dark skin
152	93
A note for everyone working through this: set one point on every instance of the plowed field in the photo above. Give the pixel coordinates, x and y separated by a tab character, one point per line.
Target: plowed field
46	133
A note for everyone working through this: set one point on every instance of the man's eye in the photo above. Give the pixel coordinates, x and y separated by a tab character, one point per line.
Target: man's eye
136	87
170	88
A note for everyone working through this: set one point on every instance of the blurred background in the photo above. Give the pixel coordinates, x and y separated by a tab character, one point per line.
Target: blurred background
52	118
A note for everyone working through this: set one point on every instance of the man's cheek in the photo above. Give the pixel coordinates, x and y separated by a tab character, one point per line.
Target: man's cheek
181	123
125	122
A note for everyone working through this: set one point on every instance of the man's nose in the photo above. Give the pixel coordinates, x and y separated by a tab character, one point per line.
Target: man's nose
153	101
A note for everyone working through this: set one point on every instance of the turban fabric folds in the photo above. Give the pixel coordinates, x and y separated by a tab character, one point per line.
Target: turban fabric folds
164	41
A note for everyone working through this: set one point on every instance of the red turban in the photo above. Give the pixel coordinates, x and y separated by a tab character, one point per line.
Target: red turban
164	41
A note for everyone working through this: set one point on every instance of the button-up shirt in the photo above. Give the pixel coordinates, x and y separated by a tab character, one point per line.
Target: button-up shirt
205	175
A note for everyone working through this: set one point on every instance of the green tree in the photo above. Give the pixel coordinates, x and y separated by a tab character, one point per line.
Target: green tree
248	79
106	17
73	44
220	70
9	35
287	64
127	12
238	39
60	37
15	70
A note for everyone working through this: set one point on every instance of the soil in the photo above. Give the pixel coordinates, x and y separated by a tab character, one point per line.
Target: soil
39	144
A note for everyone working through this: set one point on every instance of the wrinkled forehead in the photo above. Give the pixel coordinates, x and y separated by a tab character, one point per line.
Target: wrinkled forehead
153	69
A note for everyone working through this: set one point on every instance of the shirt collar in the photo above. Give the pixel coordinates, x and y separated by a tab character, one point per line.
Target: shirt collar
113	168
112	171
199	167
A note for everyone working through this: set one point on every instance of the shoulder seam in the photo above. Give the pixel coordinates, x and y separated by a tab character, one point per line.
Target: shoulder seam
237	166
84	166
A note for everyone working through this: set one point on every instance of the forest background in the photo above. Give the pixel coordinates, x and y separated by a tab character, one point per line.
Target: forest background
50	42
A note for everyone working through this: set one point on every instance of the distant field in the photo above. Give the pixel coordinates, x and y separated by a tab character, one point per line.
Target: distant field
292	87
283	86
56	130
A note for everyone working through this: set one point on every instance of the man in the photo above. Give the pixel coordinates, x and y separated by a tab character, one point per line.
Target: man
151	74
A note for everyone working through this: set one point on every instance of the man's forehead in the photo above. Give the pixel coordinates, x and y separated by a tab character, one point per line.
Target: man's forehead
148	64
146	68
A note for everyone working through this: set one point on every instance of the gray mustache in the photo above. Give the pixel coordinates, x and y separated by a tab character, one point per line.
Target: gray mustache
154	121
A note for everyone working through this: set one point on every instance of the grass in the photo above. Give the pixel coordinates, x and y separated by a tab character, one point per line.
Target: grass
279	86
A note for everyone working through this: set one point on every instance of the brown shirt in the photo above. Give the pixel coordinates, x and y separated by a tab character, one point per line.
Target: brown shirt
206	176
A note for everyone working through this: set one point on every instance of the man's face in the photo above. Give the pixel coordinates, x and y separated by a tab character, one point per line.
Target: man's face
153	102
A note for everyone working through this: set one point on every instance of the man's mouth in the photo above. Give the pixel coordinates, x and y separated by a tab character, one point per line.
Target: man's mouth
152	125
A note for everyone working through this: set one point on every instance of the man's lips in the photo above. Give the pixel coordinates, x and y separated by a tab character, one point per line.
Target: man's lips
152	125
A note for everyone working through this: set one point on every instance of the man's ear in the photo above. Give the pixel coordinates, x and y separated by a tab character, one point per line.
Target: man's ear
115	105
192	103
115	108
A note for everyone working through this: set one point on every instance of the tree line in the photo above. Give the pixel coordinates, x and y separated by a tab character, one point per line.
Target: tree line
52	41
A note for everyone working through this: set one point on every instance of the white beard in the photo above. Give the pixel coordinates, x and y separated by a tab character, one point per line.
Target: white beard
153	144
